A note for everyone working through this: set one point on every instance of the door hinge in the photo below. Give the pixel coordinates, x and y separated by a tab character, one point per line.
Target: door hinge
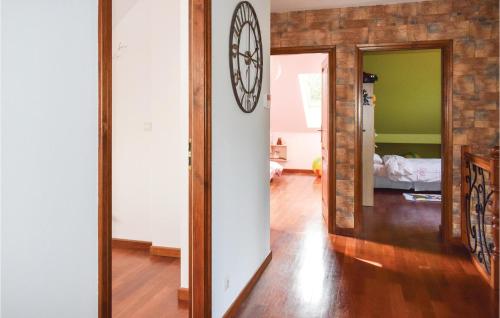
190	154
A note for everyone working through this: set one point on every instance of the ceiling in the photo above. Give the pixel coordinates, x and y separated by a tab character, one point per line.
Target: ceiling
121	8
298	5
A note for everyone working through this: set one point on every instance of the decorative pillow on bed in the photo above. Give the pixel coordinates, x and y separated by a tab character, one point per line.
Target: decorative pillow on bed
377	159
397	166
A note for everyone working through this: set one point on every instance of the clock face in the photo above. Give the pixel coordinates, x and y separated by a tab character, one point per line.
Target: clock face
245	57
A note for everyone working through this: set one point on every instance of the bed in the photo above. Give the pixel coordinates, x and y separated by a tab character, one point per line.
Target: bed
275	170
395	172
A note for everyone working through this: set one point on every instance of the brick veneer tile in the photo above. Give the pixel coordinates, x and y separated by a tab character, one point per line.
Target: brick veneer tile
471	24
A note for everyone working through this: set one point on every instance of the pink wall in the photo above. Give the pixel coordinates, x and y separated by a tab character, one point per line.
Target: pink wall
287	110
288	119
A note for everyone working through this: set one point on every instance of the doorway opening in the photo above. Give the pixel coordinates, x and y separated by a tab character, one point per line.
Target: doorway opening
302	129
403	156
187	54
303	98
150	201
150	198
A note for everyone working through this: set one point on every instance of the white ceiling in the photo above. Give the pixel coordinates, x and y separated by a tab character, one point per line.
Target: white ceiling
121	7
298	5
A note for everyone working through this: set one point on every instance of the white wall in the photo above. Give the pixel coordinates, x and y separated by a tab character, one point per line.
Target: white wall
169	189
132	111
240	175
49	158
150	88
184	135
150	164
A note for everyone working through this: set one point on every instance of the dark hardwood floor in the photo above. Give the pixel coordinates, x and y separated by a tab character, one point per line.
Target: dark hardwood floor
145	286
397	269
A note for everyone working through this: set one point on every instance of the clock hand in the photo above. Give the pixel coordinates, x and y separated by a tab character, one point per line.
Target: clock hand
242	97
255	51
246	56
249	35
248	77
256	63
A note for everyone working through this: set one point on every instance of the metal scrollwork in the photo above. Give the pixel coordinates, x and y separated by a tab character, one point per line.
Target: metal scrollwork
478	221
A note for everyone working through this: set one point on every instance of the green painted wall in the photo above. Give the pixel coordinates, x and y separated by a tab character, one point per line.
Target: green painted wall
408	97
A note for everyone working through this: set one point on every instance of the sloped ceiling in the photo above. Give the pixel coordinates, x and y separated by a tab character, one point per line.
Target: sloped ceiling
298	5
120	9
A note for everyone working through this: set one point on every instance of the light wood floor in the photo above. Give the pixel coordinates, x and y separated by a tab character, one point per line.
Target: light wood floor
145	286
399	268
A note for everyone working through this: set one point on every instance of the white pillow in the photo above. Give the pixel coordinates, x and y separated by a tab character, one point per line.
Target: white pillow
377	159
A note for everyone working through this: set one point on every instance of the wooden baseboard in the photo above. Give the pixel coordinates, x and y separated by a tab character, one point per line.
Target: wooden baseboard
165	251
455	241
233	309
183	294
347	231
143	245
130	244
298	171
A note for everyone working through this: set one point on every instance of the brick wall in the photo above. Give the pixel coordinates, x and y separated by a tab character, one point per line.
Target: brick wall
471	24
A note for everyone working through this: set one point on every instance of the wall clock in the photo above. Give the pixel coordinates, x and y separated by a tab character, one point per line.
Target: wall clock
245	56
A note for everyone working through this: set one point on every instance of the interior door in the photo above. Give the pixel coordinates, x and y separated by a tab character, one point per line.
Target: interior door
326	177
368	143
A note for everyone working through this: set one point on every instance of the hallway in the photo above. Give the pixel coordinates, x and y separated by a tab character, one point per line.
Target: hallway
399	269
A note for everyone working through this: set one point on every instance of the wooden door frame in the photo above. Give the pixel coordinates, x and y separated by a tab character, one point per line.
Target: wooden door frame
200	177
446	47
200	172
331	51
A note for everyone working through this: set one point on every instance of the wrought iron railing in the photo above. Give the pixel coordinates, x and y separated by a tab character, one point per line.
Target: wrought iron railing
480	211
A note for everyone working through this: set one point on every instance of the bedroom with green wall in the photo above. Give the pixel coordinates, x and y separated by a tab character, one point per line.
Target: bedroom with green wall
408	101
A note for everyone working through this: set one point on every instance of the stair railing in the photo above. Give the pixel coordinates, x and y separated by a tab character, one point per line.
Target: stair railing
479	215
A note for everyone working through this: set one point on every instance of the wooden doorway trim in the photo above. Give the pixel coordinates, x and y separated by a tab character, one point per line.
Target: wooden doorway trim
200	172
330	50
105	158
200	176
446	47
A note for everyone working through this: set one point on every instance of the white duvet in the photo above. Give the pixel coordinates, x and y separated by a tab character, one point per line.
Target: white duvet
398	168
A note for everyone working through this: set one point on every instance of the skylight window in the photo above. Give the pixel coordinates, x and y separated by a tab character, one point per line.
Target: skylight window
310	87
